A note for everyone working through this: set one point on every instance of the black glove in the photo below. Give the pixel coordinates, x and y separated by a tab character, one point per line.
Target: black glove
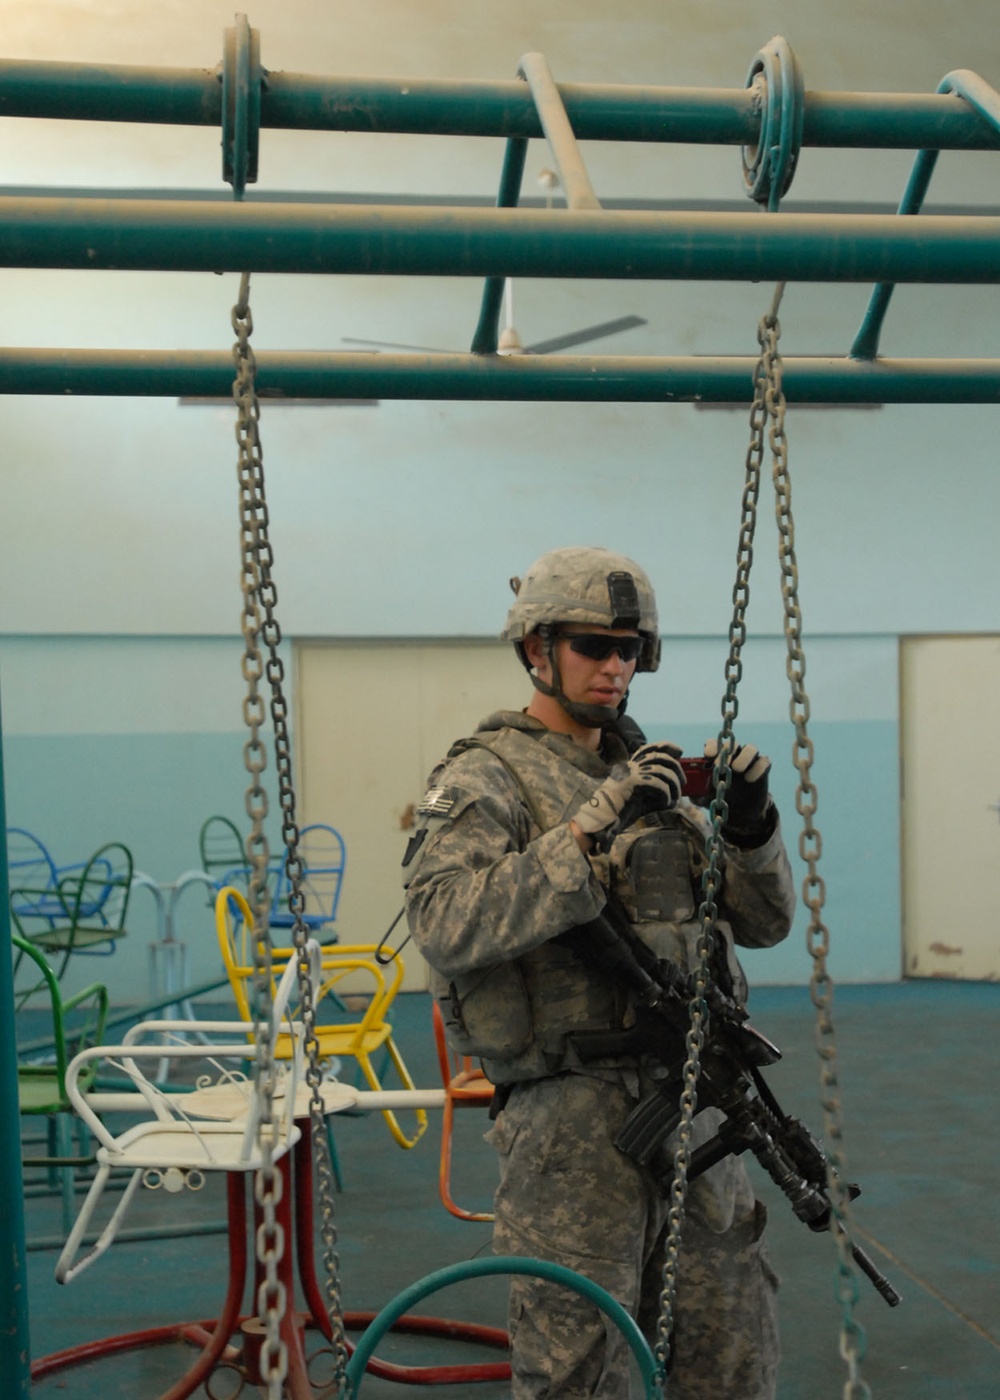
750	818
651	781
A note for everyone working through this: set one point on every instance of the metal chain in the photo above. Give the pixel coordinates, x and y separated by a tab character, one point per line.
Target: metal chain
254	513
270	1242
712	879
852	1336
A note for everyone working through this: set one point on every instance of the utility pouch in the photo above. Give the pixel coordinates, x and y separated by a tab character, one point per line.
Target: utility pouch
487	1014
652	875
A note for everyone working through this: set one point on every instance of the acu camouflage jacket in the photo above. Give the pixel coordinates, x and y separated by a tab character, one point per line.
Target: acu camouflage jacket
493	874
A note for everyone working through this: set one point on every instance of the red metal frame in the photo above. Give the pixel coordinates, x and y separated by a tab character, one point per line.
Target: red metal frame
295	1214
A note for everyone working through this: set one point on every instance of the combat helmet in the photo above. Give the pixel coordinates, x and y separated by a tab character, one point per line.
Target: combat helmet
582	584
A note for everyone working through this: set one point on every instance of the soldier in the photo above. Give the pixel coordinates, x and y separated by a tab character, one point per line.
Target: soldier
526	828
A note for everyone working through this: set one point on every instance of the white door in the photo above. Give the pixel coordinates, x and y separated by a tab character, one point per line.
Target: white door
372	720
951	806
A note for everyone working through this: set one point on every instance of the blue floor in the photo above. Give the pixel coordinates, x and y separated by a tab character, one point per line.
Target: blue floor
916	1069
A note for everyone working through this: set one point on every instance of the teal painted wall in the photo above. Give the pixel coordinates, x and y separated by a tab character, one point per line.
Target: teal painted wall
155	751
130	739
152	792
855	770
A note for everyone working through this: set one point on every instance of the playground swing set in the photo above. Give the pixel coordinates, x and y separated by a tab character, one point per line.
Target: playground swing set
770	119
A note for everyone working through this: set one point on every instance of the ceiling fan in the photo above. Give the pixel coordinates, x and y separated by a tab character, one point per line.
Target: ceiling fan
509	342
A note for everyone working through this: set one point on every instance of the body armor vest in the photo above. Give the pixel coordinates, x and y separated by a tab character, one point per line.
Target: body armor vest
518	1016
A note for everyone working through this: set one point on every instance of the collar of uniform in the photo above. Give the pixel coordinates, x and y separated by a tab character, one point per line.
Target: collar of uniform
612	750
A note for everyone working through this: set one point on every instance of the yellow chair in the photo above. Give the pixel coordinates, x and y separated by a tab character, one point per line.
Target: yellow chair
339	963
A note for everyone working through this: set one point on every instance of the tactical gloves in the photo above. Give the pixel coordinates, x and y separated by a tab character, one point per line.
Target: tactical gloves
651	781
750	819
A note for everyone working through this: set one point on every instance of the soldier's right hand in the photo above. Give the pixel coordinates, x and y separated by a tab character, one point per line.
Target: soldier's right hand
651	781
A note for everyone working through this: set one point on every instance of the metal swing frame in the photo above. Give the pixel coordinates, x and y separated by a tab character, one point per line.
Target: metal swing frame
769	119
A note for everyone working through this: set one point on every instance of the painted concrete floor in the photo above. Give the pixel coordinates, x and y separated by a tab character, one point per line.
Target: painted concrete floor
916	1065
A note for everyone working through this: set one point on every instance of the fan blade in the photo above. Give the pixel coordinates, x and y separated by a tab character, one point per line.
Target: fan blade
391	345
564	342
542	347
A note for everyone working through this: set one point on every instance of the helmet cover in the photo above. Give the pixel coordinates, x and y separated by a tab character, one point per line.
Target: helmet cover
585	584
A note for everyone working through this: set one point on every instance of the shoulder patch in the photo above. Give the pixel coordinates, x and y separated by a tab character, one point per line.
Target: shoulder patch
437	802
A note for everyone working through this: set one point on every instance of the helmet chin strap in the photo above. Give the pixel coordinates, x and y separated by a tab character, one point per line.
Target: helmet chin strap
592	716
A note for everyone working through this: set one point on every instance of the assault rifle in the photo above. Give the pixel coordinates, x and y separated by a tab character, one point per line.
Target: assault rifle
730	1079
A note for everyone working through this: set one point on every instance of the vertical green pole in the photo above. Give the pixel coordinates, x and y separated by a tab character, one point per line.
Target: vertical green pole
15	1348
484	341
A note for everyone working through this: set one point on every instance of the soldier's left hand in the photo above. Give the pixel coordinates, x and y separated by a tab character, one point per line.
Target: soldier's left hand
748	789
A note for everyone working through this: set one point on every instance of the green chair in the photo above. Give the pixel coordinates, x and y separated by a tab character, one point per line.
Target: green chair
72	1025
221	848
91	908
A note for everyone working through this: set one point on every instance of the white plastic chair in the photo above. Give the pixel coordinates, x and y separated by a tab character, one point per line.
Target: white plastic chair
217	1127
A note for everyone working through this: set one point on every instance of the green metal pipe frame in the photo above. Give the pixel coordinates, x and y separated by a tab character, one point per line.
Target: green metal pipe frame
596	379
986	101
484	340
189	235
597	112
15	1344
649	1368
582	241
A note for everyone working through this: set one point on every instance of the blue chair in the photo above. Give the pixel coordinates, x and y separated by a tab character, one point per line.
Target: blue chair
30	866
37	880
324	858
84	914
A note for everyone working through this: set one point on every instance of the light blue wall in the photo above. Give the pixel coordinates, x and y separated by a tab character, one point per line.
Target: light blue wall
134	739
151	791
852	685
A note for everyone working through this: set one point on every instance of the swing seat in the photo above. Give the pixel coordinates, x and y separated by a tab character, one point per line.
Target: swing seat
215	1128
339	964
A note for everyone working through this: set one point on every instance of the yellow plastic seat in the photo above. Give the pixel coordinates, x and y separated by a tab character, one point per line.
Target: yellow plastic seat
348	973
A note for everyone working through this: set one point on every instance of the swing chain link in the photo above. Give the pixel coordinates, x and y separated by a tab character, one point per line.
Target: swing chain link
258	587
269	1242
260	591
712	878
852	1335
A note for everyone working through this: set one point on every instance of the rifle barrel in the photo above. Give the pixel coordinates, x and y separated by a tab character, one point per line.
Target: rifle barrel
871	1270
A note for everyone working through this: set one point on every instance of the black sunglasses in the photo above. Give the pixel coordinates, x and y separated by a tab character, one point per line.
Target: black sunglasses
597	646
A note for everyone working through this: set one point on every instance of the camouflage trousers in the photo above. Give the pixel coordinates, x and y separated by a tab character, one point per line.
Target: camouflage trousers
568	1195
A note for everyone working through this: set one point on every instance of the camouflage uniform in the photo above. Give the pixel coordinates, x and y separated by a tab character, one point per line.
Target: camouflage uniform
493	874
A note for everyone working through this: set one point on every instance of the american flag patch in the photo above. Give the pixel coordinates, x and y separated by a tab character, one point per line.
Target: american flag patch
437	802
